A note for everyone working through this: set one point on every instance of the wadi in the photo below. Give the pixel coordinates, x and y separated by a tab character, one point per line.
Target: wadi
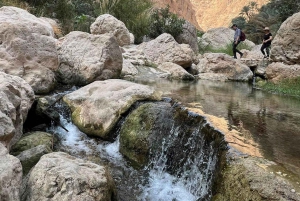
126	100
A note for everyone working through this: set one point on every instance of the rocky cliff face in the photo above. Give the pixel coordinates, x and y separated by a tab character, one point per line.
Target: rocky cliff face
207	14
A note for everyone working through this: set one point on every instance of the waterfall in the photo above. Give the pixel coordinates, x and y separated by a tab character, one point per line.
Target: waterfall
183	168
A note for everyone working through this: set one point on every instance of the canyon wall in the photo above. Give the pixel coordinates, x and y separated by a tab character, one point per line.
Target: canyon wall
207	14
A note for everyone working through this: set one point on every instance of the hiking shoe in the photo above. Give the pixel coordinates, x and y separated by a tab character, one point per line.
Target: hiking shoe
265	57
242	55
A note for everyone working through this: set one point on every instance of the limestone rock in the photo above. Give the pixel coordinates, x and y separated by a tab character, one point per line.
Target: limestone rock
252	180
128	69
85	58
277	71
189	36
55	26
219	66
27	48
16	97
217	38
253	54
10	176
135	55
165	49
286	44
31	140
132	38
97	107
176	71
59	176
109	24
30	157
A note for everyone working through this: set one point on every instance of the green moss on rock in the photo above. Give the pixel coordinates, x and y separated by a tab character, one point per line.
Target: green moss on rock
31	140
134	135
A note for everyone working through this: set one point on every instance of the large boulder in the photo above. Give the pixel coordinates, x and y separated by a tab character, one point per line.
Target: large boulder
217	38
85	58
165	49
286	44
109	24
189	36
27	48
16	97
10	176
220	66
175	71
278	71
59	176
97	107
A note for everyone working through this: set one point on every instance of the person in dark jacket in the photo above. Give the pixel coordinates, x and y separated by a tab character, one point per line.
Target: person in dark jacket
236	40
266	42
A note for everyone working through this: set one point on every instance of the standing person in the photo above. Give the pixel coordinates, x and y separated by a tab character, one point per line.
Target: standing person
266	42
236	40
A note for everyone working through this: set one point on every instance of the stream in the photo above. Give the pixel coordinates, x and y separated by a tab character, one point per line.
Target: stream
273	121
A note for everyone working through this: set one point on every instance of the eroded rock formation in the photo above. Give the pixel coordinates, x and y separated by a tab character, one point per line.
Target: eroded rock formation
207	14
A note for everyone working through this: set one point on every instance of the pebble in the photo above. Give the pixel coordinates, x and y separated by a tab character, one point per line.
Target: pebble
284	175
278	173
293	191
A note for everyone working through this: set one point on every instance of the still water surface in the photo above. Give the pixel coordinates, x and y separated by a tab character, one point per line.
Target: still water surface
273	120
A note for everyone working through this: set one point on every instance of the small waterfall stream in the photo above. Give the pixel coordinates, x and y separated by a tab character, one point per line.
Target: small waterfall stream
183	168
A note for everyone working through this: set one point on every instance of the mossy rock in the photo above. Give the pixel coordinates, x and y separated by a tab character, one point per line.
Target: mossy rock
31	157
250	179
139	132
31	140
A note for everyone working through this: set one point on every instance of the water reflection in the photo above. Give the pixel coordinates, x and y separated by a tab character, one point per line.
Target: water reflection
272	119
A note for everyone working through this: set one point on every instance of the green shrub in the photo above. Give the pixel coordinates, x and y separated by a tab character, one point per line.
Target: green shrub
136	16
163	21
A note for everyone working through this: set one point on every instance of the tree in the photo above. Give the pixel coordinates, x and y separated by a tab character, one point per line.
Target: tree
163	21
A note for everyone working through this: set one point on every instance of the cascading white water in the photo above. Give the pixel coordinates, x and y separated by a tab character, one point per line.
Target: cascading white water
191	181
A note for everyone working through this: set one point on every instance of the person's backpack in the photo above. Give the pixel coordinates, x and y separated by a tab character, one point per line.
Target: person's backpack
243	36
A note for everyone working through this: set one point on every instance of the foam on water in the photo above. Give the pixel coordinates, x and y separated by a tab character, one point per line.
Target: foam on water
111	150
75	140
165	187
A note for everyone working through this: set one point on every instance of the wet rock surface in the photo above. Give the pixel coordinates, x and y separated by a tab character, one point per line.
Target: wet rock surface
250	179
165	136
97	107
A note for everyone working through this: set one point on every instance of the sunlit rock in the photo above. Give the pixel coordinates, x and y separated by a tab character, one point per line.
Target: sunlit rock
27	48
175	71
60	176
10	176
219	66
109	24
85	58
165	49
98	106
278	71
16	98
286	44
